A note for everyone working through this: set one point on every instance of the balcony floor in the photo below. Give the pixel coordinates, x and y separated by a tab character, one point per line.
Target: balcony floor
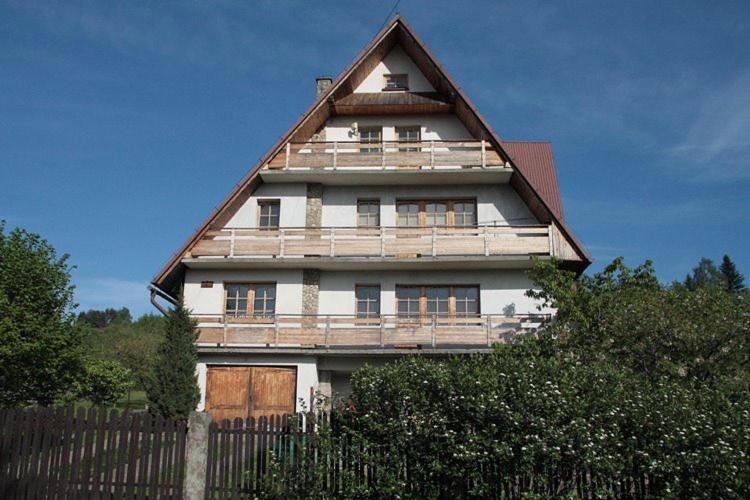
376	176
372	263
343	351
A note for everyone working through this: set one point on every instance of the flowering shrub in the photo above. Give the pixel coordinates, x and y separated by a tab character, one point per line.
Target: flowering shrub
530	417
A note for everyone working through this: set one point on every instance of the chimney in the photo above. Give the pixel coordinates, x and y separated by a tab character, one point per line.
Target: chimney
322	83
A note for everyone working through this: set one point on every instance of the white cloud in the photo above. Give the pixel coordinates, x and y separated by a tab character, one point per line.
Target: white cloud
717	143
101	293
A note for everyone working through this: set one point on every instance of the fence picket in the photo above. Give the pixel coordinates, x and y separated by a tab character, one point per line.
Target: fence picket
252	435
152	474
98	452
25	451
47	445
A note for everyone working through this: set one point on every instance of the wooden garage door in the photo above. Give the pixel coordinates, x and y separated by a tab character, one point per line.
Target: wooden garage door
250	391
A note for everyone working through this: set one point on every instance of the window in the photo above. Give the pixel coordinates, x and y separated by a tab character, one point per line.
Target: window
440	301
268	214
408	301
437	300
368	301
251	300
396	82
368	213
408	214
370	135
467	301
464	214
408	134
437	213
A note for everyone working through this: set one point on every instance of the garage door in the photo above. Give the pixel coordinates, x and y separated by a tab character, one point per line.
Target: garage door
250	391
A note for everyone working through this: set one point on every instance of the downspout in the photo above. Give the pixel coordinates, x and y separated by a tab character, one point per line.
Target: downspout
155	290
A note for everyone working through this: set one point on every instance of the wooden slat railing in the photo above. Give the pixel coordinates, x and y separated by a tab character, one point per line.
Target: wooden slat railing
381	331
386	154
384	242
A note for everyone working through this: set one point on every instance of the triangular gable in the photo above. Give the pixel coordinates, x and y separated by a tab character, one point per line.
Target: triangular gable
395	62
397	32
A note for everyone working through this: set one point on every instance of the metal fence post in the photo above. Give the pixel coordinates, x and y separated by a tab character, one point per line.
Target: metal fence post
196	456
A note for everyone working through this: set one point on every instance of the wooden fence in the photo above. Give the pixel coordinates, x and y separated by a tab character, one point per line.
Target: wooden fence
59	453
289	457
62	453
239	452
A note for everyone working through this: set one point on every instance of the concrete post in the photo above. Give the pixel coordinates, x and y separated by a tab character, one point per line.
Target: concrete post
196	456
325	389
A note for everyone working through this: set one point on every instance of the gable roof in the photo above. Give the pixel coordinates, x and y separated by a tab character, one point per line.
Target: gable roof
393	33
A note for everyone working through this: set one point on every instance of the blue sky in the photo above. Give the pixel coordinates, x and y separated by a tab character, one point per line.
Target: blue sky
123	124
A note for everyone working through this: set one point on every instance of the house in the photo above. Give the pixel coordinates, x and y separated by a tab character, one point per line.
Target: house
389	219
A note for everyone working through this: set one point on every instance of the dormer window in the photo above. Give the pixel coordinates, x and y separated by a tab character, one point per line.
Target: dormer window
396	82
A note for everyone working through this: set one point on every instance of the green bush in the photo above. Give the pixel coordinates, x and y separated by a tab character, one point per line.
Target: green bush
529	419
531	410
104	383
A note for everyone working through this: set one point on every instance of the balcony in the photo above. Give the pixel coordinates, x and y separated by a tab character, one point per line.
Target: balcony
367	163
336	331
389	247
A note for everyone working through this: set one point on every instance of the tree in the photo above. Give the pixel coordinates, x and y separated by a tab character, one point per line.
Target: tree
41	354
733	280
104	382
102	319
172	387
704	275
626	317
134	344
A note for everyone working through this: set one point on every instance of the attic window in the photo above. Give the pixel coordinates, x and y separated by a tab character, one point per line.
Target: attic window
396	82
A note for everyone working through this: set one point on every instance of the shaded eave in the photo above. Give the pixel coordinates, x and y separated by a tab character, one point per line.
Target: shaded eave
168	279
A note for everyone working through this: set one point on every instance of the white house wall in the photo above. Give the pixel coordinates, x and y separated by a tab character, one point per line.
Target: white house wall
433	127
210	301
292	202
495	203
498	289
395	62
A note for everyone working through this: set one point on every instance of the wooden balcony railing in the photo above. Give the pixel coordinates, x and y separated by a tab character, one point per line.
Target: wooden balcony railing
384	242
380	331
388	154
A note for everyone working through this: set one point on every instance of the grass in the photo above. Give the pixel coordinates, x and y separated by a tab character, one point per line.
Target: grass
134	400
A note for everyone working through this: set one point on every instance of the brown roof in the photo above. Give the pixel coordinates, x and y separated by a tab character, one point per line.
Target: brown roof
397	31
536	162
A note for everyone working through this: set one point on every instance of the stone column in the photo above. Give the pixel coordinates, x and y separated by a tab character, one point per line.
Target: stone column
310	291
314	206
196	455
311	277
